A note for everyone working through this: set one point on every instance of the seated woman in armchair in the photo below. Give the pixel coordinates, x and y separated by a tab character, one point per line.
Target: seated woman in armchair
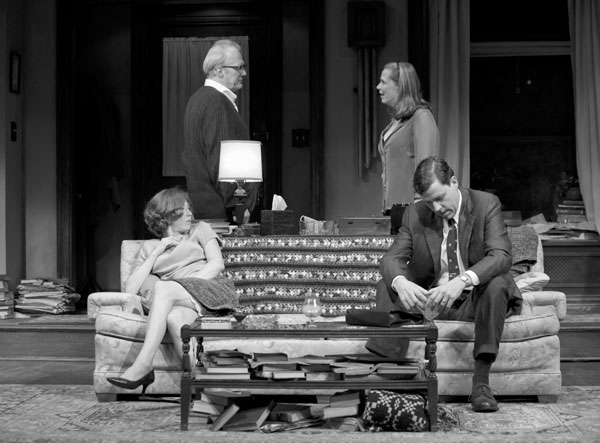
183	270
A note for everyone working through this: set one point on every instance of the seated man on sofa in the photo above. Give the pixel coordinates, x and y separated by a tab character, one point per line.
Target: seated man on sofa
452	254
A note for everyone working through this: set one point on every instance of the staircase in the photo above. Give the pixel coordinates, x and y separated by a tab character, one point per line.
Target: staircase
579	338
574	268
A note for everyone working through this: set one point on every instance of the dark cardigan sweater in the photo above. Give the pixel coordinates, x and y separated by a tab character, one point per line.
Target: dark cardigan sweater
209	118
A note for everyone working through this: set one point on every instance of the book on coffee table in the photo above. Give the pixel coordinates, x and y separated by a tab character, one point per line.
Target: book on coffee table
202	374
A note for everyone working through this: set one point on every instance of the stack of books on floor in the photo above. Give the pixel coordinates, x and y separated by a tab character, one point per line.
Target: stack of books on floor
571	211
233	411
7	299
46	296
212	404
342	404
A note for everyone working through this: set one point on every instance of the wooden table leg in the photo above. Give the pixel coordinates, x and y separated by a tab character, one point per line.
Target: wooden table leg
186	386
432	381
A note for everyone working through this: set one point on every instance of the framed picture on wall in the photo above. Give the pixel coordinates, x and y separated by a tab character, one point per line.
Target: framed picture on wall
15	73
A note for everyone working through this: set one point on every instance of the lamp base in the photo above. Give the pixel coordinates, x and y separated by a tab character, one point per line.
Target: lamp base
238	212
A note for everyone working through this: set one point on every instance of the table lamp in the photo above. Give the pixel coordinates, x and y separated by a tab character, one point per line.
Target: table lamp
240	162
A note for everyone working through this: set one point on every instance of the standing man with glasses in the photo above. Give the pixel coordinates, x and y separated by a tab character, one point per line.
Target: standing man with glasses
211	116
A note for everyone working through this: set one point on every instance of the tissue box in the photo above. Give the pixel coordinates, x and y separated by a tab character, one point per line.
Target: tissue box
278	223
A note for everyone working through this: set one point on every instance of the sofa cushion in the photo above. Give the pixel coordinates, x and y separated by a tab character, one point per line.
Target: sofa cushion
122	325
531	281
516	328
541	353
114	355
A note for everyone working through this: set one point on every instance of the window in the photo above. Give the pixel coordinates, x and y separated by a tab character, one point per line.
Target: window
521	103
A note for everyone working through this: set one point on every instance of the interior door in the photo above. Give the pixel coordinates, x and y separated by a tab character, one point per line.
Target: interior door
260	22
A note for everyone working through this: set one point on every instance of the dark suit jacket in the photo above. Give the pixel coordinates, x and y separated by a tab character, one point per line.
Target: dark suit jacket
484	244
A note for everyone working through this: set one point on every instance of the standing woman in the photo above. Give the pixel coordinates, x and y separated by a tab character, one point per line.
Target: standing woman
182	271
411	135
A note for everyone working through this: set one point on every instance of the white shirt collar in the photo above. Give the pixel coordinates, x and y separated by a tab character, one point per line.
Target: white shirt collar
457	215
222	89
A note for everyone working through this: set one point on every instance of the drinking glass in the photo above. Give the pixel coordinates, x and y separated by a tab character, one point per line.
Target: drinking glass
311	307
430	311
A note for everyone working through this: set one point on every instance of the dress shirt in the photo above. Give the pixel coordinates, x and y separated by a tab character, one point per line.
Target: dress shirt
224	90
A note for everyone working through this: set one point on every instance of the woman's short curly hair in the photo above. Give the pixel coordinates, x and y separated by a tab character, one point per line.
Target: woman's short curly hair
164	208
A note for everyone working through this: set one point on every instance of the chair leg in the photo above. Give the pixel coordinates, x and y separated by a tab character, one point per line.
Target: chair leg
106	398
547	398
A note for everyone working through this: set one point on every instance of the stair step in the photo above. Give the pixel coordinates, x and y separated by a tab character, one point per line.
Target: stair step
579	343
51	339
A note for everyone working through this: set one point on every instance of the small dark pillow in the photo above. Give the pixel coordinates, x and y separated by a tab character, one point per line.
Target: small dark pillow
394	411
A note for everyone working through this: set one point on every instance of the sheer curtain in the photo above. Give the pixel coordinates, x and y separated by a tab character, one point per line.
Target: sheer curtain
449	38
584	24
182	76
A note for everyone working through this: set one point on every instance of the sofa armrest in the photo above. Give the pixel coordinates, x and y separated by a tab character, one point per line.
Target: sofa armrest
113	301
541	302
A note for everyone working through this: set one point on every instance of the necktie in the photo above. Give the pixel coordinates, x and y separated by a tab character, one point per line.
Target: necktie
453	269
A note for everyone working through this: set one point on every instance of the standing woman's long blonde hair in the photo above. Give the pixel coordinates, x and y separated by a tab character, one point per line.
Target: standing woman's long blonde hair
409	87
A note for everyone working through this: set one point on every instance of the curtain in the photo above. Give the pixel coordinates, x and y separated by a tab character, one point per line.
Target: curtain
584	25
449	62
182	76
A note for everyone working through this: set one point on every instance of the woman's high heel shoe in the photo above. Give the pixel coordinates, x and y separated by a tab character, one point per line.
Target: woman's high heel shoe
121	382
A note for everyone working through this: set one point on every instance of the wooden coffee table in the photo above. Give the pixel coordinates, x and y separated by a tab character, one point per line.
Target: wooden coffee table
426	381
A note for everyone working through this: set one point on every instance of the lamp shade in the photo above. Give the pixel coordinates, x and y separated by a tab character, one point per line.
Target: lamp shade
240	161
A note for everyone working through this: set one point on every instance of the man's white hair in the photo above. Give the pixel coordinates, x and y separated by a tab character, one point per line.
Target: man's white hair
217	54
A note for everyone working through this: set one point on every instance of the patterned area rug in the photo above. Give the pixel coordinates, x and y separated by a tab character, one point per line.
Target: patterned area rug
65	413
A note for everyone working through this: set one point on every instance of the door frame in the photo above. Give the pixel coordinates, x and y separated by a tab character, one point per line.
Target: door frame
153	23
65	110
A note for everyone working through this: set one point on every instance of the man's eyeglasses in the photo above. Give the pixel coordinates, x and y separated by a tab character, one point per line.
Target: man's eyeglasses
239	68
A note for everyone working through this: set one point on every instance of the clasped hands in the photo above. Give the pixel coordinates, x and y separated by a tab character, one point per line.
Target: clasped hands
414	298
168	242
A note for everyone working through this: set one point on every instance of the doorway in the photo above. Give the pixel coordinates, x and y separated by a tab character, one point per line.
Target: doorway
261	26
119	44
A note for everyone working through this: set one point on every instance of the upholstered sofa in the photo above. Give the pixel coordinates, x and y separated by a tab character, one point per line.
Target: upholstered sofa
272	274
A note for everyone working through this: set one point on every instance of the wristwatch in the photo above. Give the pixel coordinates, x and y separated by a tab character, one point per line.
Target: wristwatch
466	279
